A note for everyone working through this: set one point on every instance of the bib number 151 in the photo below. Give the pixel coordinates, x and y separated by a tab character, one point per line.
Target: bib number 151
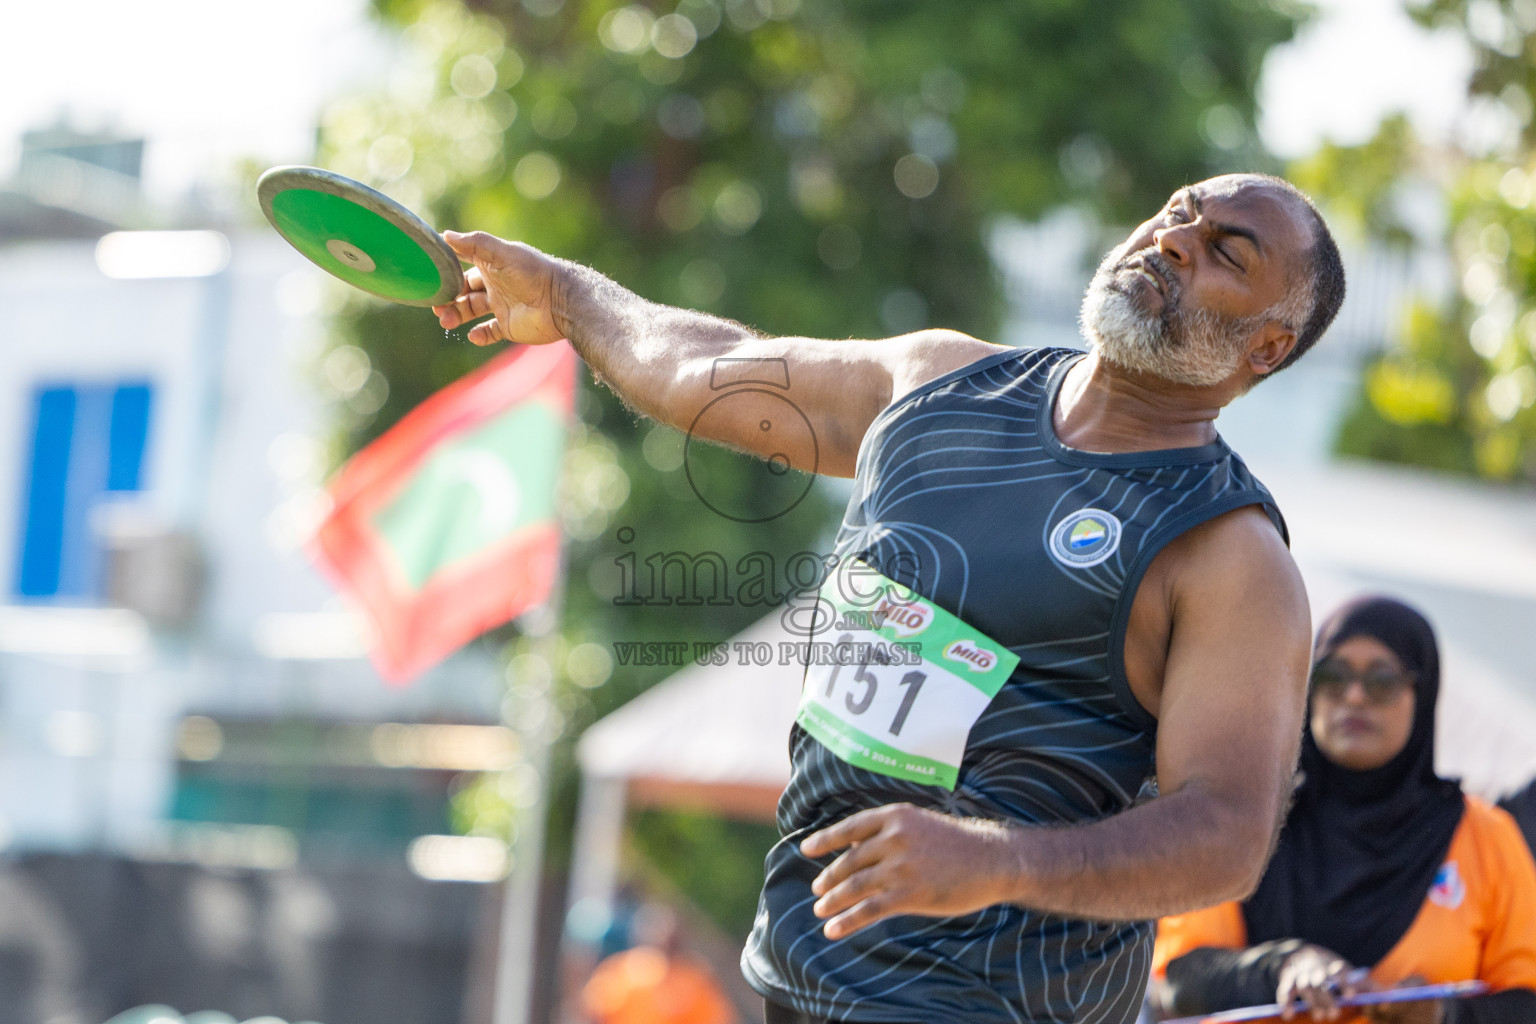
910	685
902	716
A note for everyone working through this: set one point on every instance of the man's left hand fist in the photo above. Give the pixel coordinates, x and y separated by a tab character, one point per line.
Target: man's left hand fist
901	859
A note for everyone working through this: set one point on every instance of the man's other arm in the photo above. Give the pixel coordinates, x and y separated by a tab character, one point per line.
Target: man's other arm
1230	713
670	364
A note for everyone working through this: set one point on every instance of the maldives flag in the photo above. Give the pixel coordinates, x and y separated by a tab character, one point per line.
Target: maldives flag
446	526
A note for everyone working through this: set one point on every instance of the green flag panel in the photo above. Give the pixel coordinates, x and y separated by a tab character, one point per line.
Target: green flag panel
474	492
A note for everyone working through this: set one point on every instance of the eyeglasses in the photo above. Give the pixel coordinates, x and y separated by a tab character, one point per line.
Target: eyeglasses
1382	685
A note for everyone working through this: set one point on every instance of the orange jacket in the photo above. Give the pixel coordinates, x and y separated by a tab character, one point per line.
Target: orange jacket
645	986
1477	922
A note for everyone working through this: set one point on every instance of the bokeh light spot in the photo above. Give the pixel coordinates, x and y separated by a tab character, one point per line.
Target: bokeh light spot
916	176
536	175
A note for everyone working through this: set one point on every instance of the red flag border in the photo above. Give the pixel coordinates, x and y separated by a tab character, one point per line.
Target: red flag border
351	553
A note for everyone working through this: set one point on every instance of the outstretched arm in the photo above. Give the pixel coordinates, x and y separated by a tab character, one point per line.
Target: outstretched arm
1229	722
671	363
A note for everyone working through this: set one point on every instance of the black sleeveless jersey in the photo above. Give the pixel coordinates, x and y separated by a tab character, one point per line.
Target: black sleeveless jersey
964	493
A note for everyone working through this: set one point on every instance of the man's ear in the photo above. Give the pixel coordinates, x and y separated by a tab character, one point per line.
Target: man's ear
1269	347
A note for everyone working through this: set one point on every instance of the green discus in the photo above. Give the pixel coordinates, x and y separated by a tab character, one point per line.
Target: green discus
360	235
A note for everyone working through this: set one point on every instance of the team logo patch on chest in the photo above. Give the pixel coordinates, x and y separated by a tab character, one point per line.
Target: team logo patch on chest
1448	889
1085	538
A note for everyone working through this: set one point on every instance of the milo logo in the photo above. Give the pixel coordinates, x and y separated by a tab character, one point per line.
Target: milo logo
977	659
905	619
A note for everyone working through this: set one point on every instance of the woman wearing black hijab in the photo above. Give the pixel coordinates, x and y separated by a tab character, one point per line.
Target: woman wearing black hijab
1385	873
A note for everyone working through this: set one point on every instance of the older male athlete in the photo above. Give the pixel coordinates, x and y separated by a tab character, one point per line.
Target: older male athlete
1078	516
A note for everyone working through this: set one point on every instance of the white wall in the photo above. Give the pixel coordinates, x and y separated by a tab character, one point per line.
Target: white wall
87	740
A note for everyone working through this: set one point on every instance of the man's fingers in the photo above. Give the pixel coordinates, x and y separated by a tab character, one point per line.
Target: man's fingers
875	908
857	886
851	829
472	303
467	307
852	860
478	247
487	333
471	306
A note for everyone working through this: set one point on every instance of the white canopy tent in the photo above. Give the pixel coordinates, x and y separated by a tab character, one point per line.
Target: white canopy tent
711	737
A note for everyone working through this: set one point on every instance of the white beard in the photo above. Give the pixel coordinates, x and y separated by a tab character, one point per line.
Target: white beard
1193	347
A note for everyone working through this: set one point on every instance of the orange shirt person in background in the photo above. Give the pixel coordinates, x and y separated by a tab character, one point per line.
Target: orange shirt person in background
1382	864
655	982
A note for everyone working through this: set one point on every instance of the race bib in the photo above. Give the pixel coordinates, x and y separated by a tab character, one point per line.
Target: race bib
893	682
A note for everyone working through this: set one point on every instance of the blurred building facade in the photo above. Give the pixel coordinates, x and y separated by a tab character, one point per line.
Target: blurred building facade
177	684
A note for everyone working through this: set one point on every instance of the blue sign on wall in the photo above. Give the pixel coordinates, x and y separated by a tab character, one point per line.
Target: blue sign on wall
88	442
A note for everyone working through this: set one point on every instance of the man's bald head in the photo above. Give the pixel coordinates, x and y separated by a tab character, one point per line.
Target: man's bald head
1237	270
1315	272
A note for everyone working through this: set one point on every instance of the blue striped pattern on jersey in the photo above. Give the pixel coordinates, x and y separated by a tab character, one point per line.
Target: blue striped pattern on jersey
958	488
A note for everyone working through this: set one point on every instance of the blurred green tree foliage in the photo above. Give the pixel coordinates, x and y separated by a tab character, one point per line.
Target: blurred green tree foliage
812	167
1503	38
1458	391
